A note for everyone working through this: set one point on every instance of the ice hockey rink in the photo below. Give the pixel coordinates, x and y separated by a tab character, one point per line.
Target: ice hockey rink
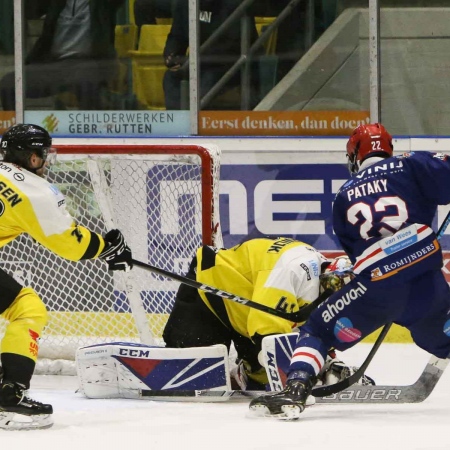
84	424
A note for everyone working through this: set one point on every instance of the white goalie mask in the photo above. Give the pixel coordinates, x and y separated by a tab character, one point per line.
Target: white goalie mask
337	274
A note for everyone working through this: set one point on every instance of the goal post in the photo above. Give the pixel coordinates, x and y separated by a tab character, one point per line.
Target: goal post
164	199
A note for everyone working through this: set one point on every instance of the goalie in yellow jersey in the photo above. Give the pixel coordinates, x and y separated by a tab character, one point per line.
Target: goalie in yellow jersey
280	273
29	204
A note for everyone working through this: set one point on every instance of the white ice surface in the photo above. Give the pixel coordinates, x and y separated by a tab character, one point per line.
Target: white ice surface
83	424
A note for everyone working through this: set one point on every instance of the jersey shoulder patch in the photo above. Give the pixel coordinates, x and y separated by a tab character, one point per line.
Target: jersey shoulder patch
441	156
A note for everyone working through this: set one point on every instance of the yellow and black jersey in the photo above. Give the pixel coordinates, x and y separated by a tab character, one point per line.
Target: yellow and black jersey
30	204
281	273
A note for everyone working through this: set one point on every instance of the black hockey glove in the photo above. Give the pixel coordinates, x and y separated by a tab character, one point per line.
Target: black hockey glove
116	252
174	62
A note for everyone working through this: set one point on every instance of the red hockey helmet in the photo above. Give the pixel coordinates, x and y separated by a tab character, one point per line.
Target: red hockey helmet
368	140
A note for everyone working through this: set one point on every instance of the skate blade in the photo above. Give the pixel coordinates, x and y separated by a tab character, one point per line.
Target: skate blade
14	422
289	412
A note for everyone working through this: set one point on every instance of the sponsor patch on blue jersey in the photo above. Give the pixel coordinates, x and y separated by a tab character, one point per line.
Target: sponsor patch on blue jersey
399	241
447	328
404	155
345	332
441	156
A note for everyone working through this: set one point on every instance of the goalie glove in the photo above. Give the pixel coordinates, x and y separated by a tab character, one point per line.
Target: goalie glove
116	252
335	371
249	380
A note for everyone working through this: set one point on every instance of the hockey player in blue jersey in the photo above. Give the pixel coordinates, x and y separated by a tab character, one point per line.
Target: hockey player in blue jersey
382	216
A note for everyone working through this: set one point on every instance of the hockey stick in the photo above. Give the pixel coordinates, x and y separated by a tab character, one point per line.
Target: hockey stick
325	391
443	226
199	395
299	316
414	393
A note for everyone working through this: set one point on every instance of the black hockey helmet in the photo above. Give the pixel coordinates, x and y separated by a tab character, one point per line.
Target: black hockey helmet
21	141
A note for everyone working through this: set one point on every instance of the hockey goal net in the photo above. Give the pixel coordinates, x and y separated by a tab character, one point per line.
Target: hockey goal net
163	198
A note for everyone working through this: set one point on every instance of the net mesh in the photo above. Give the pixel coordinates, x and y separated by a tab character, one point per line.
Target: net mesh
164	204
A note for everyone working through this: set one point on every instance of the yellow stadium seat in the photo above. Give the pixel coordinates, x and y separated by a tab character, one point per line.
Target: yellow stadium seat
125	39
164	20
148	66
149	86
153	38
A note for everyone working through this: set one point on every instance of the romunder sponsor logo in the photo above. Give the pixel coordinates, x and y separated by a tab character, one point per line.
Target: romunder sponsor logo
340	303
410	259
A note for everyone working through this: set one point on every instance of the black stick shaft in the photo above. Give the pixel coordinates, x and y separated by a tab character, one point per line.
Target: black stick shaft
297	317
325	391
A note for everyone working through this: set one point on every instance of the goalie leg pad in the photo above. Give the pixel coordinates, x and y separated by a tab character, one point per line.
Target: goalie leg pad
276	352
124	370
276	358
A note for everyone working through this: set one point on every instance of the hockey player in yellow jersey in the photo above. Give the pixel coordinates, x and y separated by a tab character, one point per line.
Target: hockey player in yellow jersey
281	273
29	204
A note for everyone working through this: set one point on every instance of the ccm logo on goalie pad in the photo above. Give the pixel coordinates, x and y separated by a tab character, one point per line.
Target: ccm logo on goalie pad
276	357
276	383
134	352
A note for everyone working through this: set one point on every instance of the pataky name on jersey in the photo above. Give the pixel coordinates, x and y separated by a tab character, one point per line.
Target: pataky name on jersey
368	188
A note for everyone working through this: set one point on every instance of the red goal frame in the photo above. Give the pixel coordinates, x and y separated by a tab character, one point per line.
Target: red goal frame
208	226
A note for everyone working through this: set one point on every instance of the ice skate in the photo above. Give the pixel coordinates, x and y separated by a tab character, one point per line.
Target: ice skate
19	412
287	404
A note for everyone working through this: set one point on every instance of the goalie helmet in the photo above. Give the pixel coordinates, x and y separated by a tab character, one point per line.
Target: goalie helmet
23	140
337	274
365	141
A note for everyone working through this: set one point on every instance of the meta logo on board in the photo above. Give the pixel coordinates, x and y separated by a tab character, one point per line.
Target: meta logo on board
292	200
289	200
